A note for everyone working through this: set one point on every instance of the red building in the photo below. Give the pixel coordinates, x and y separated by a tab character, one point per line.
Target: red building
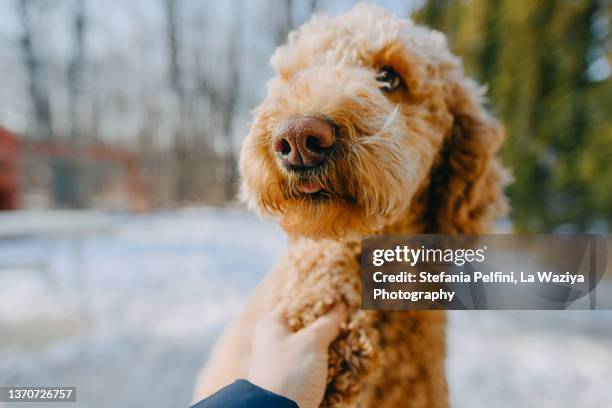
9	170
104	170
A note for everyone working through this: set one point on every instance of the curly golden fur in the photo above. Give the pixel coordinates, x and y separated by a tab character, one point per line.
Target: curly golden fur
417	159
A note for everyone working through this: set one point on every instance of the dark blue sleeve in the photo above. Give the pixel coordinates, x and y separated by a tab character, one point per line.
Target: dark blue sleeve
243	394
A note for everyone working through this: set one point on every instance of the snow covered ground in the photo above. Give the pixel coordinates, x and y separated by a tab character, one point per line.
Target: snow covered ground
131	326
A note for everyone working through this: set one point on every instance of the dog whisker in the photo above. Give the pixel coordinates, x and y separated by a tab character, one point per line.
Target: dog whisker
369	139
389	119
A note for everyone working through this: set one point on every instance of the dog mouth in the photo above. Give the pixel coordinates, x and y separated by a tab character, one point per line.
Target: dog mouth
315	186
309	188
313	191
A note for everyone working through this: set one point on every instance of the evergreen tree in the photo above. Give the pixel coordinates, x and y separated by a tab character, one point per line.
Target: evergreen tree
545	65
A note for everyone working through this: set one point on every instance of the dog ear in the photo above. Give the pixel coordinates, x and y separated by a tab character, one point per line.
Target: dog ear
466	189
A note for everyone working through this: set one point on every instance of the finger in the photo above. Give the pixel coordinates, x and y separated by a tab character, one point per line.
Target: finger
279	311
327	327
277	317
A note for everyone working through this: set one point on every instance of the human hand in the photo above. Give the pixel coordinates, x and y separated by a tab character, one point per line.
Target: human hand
294	364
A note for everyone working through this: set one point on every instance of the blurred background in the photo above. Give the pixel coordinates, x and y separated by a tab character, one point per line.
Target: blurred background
123	251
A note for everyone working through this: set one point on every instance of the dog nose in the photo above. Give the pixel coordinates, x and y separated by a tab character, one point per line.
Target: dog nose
303	142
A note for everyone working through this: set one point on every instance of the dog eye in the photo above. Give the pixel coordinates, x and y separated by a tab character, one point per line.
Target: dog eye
389	79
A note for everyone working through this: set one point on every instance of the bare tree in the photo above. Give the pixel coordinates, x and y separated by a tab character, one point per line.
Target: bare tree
231	102
76	67
39	96
224	96
312	6
286	25
175	74
175	77
70	174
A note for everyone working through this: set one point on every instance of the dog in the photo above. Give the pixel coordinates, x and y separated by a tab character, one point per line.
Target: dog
370	126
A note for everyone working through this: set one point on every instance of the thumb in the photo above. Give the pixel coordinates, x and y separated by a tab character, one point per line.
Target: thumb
327	327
